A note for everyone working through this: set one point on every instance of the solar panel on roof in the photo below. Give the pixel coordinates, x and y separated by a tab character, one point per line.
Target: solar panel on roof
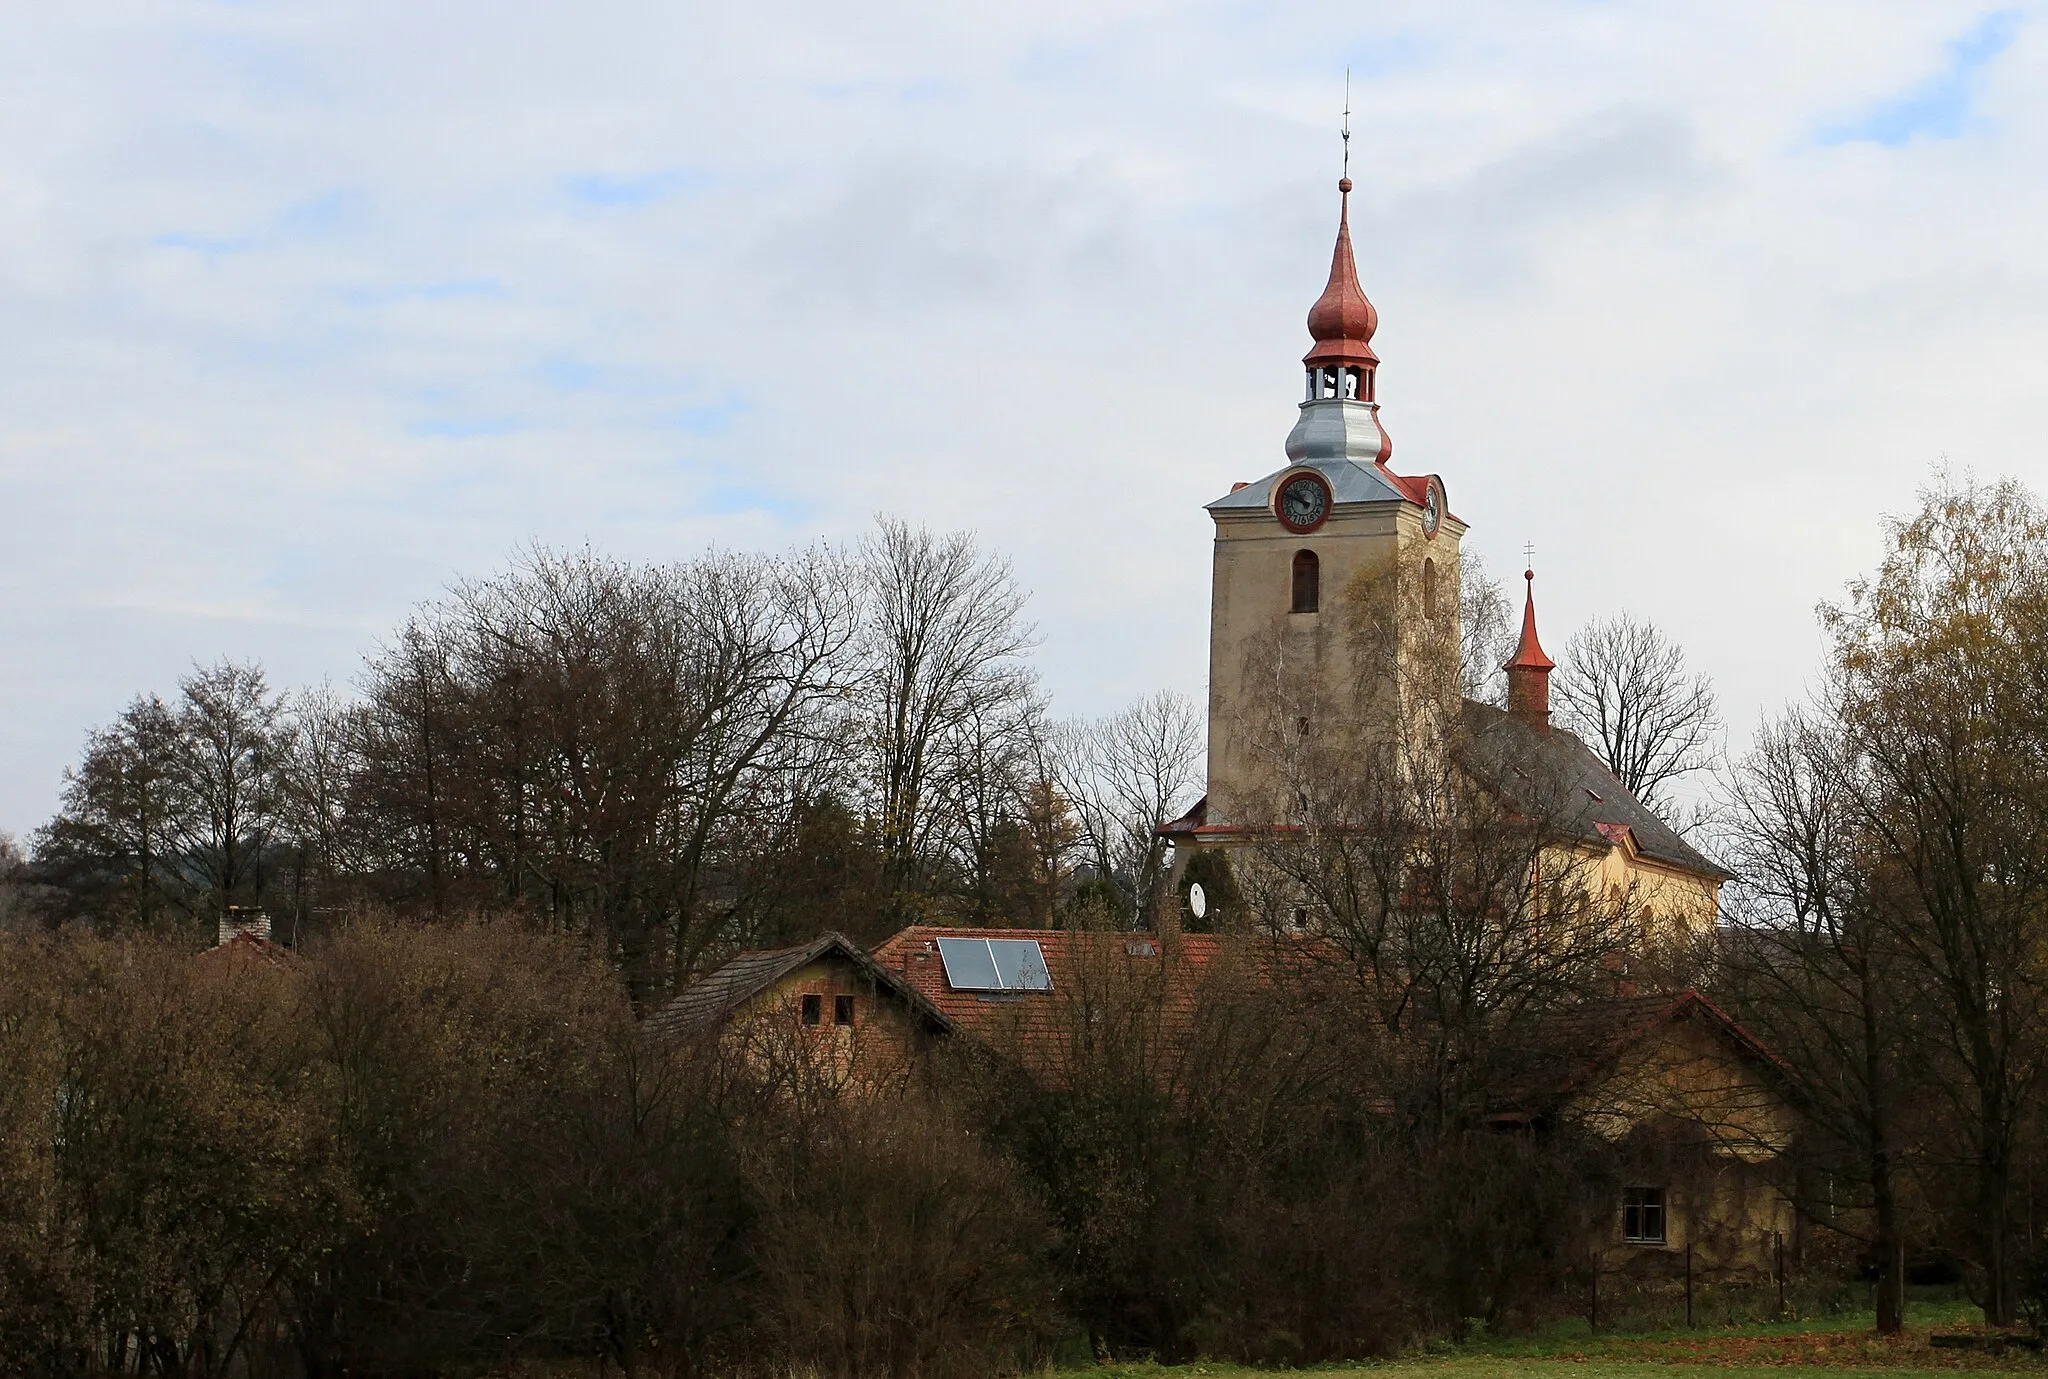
1003	964
1021	964
969	964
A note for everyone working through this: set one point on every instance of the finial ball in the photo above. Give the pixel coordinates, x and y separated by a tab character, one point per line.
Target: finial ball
1529	575
1344	184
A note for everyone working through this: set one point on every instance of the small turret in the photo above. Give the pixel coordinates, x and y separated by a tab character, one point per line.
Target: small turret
1529	670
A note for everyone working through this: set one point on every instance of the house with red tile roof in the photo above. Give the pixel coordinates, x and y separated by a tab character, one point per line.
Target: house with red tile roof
1700	1110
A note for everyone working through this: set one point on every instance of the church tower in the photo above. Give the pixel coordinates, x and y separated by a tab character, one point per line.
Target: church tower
1302	553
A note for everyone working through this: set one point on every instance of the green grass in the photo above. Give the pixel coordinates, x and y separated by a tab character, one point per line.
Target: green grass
1501	1367
1567	1350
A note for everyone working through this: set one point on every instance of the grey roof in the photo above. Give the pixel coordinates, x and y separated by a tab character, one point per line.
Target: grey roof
1341	437
708	1001
1350	482
1555	774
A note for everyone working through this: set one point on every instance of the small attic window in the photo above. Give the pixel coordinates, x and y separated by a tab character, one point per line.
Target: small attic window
813	1008
842	1010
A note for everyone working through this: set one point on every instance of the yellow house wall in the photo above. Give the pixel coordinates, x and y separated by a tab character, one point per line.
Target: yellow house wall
1727	1203
877	1049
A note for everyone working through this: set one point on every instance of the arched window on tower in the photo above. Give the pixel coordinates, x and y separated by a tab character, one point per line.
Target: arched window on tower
1308	582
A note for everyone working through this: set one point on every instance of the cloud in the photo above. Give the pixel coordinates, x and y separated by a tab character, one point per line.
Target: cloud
917	234
1486	229
1940	107
597	189
312	309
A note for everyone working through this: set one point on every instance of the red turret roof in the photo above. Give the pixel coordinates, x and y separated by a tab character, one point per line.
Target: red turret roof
1342	320
1529	654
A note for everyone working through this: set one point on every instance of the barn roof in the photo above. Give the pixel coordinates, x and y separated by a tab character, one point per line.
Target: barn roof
1596	1035
707	1002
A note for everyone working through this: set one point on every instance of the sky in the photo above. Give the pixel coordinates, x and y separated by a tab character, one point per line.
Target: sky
310	309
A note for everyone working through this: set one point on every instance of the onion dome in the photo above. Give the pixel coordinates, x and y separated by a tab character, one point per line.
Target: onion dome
1342	320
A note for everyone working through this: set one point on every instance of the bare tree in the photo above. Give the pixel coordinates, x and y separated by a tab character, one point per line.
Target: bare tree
320	757
228	773
1939	669
984	787
941	652
1623	687
1810	967
109	846
1485	629
594	739
175	806
1125	775
22	900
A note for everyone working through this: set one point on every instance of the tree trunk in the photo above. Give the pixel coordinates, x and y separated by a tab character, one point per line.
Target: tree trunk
1891	1249
1999	1309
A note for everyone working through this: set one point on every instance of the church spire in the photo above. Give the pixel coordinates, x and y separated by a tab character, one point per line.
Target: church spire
1342	320
1340	414
1529	671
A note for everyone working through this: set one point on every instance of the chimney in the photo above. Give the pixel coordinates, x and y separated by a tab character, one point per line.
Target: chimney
1529	671
244	919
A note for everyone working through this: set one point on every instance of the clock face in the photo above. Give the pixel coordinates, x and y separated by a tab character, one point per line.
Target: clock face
1433	507
1304	502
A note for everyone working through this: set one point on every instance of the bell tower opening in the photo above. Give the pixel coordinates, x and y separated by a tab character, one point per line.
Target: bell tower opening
1308	582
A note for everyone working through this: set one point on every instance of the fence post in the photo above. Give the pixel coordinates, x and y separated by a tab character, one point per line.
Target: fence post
1778	1237
1593	1304
1688	1285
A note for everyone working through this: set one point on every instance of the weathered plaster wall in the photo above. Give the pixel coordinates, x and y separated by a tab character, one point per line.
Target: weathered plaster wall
1261	654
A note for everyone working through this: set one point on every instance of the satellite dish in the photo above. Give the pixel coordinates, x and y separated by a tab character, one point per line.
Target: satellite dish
1198	903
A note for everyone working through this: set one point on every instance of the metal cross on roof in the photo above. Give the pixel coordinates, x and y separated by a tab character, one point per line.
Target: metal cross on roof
1347	122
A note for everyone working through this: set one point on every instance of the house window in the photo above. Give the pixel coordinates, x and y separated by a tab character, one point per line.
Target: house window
1308	581
1429	595
1642	1215
814	1009
842	1010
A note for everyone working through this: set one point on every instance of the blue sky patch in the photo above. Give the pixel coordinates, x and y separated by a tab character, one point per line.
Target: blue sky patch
710	418
601	189
1939	107
462	428
202	244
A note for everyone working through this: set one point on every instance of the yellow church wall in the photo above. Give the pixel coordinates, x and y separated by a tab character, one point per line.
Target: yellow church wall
1676	905
1262	655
